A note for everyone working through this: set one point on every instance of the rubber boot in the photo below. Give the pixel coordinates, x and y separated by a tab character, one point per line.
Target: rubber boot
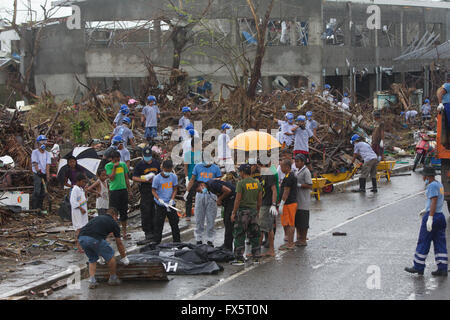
362	185
374	185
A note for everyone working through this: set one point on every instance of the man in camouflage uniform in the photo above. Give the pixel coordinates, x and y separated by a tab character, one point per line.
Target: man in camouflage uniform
245	215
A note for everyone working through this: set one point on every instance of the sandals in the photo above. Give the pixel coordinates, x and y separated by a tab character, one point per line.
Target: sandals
285	247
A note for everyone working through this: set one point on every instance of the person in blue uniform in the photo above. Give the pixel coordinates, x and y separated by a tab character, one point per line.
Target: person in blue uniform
432	228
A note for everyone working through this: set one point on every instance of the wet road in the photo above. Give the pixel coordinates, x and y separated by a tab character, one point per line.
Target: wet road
368	263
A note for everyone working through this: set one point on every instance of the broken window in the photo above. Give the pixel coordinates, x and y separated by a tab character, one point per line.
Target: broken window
388	36
334	32
360	36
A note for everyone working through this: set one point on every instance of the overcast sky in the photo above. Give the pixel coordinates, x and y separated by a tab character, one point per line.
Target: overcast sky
6	8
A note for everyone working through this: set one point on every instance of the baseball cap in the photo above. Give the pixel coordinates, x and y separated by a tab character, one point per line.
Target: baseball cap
300	156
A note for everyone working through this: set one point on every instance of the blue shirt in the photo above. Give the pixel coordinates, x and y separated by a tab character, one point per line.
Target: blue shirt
164	186
204	174
192	158
151	115
119	118
435	189
124	132
446	97
184	122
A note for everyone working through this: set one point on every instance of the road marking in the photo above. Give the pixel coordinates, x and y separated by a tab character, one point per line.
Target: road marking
234	276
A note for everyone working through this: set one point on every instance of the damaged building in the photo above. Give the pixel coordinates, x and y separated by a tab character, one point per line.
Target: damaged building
307	41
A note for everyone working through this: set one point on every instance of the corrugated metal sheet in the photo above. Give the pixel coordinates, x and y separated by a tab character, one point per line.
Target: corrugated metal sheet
429	53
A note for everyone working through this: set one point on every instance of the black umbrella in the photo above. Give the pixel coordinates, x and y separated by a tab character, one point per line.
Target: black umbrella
87	159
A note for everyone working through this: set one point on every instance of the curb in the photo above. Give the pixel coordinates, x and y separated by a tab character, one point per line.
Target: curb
187	231
341	186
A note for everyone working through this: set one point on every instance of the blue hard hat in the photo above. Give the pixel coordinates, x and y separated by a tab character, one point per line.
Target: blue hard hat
189	126
301	118
127	120
191	132
354	138
117	139
402	113
41	138
186	109
346	94
327	86
289	116
124	109
313	84
427	101
151	98
225	126
309	114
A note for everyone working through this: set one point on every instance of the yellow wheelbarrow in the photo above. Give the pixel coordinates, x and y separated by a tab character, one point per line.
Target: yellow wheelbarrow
318	185
384	169
333	178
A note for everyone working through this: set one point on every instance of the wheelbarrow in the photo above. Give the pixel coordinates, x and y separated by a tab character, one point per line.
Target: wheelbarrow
318	185
384	169
332	178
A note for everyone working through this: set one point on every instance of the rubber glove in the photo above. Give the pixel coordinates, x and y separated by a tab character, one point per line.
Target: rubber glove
274	211
125	261
161	202
187	180
440	107
185	195
172	203
421	213
381	144
429	223
149	176
280	208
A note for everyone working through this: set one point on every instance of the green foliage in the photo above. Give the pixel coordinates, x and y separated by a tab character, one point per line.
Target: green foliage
78	129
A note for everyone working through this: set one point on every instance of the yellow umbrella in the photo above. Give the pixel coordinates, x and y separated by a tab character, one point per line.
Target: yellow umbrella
254	141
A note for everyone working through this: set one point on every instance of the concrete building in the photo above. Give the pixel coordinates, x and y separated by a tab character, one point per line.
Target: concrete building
308	41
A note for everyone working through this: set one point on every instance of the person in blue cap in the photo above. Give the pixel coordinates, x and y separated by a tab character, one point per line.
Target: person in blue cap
40	165
184	122
346	99
326	93
443	96
192	155
224	154
311	124
287	136
432	228
426	110
313	87
149	118
125	132
369	167
123	112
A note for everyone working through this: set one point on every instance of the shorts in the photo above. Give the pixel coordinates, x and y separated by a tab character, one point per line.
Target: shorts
369	168
288	216
94	248
266	219
302	219
119	200
306	154
150	132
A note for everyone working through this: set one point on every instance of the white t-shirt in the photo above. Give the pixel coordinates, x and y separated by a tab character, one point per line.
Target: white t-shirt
365	151
77	199
286	127
410	114
103	201
302	139
223	151
124	154
311	125
346	100
151	115
42	159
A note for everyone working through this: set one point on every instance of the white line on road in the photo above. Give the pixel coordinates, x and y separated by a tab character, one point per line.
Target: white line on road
234	276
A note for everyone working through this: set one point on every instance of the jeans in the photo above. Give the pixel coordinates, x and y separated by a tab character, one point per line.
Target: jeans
148	213
228	205
37	198
190	197
150	132
160	217
93	248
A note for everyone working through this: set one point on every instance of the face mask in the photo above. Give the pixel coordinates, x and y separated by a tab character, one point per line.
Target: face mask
42	146
427	182
147	159
115	147
303	126
204	190
165	174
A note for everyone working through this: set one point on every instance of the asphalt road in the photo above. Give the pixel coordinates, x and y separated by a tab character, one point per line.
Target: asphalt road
368	263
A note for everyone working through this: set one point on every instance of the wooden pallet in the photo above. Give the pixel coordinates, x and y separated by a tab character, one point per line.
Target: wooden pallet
148	271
